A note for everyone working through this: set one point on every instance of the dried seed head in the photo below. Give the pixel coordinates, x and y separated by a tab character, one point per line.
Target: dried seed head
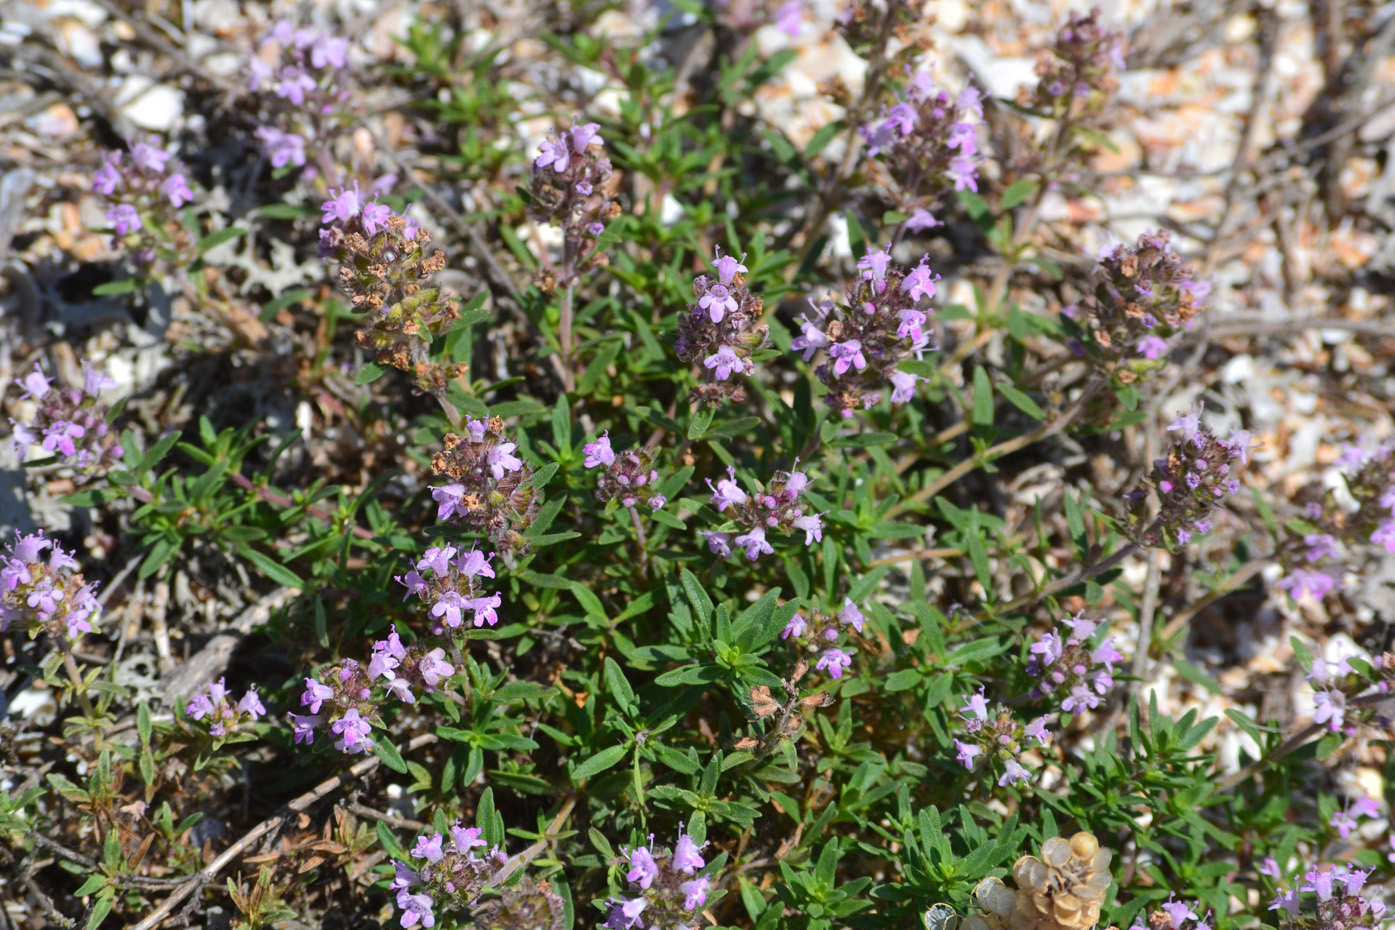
1062	890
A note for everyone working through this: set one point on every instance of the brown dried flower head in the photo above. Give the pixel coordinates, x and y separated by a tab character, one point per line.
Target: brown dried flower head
1062	890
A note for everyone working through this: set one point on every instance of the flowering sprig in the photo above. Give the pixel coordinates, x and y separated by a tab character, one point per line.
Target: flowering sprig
881	325
346	703
569	189
1330	536
1142	296
450	871
628	477
994	734
452	587
776	507
142	191
721	332
384	268
1079	75
665	886
1191	480
215	709
927	143
69	422
1066	664
1337	902
820	631
303	75
46	595
491	487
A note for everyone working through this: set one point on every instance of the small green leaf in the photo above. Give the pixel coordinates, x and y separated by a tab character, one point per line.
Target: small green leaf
605	759
116	288
1019	191
215	239
370	372
983	398
271	568
385	750
1022	402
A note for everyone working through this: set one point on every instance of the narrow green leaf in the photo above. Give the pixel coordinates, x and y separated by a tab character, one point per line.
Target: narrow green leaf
605	759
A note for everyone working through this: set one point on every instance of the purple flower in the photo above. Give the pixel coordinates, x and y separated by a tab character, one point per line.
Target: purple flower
1300	581
694	893
59	436
1343	823
755	545
449	604
1188	423
282	148
723	362
375	215
795	627
475	564
1178	912
718	302
812	525
848	354
315	695
727	267
873	265
294	84
599	452
106	179
199	706
484	608
630	911
466	838
1287	900
94	380
35	385
429	848
787	20
1330	709
1013	773
1049	647
434	668
343	206
922	219
303	726
727	493
963	173
975	705
1037	730
643	868
1320	545
1268	867
555	154
437	558
1152	346
449	498
124	219
582	136
1385	535
834	661
850	614
501	459
719	544
328	50
810	340
966	753
353	732
175	188
251	704
148	158
920	283
416	908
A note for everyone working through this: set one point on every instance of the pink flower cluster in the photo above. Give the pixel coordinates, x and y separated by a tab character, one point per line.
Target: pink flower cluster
928	142
142	191
346	702
1066	663
449	580
1337	900
1192	479
450	874
70	423
569	188
881	325
491	487
305	70
667	889
627	477
779	506
819	631
721	331
47	596
995	734
223	716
